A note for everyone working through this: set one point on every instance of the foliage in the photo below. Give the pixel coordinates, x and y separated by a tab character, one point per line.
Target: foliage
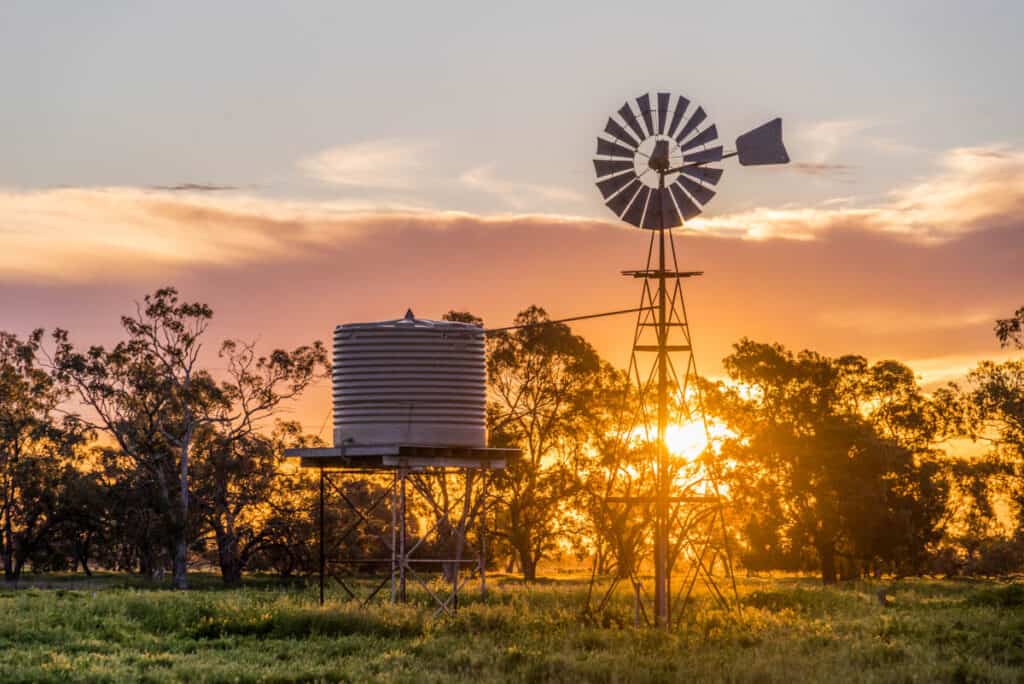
1010	331
235	461
145	392
191	451
541	377
37	475
831	457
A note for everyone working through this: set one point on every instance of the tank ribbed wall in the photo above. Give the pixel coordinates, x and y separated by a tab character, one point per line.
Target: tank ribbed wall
409	381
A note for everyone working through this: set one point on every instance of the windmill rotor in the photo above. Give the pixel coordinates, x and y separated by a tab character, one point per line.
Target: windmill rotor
655	159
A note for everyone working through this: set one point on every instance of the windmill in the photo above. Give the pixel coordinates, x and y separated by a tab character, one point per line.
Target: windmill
658	163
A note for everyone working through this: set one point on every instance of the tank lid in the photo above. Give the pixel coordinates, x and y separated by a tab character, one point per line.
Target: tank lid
410	322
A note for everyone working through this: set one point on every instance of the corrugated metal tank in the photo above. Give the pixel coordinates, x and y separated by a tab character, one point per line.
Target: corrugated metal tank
409	381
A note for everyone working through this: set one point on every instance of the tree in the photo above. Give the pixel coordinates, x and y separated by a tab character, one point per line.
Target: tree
236	465
1010	331
35	451
832	456
541	380
145	393
996	404
609	460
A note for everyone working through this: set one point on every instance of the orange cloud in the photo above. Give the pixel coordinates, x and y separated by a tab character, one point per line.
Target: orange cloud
976	189
111	234
116	233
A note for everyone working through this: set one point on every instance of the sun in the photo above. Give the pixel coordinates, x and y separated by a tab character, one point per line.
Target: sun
688	440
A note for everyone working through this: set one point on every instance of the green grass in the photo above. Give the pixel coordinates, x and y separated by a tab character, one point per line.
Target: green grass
788	630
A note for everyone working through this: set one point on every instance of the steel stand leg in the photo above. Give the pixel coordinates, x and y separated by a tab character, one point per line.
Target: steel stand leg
483	538
323	557
395	563
403	561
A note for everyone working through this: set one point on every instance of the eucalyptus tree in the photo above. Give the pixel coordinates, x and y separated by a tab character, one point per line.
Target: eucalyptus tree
37	446
146	392
832	458
542	384
239	453
994	412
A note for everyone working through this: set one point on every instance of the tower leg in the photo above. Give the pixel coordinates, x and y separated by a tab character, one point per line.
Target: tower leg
662	479
394	538
323	557
483	537
402	561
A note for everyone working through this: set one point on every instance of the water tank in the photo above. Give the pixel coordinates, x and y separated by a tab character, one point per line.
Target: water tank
409	381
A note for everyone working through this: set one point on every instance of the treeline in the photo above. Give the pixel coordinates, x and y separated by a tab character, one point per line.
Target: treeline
831	465
164	452
138	457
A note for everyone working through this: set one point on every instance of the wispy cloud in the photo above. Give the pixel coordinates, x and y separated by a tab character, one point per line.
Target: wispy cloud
889	321
194	187
975	189
938	370
820	168
823	139
515	194
388	164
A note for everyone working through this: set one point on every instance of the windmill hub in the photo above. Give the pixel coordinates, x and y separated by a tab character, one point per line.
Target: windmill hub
659	160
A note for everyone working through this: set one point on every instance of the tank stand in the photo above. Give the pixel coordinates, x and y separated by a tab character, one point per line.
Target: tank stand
389	526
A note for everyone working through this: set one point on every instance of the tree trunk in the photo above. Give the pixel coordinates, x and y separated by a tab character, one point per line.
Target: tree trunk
83	555
8	546
228	558
180	577
527	562
180	569
827	556
529	565
19	564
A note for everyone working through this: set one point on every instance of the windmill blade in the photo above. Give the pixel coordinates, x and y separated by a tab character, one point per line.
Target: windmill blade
705	174
661	213
630	118
644	102
709	134
663	100
687	207
609	149
619	203
712	154
681	104
606	167
763	145
613	129
696	190
609	186
696	120
635	213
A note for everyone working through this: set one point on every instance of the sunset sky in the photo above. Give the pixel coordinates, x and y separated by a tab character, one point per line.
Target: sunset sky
298	165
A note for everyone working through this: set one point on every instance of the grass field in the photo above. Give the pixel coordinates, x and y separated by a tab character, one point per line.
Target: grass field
788	630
